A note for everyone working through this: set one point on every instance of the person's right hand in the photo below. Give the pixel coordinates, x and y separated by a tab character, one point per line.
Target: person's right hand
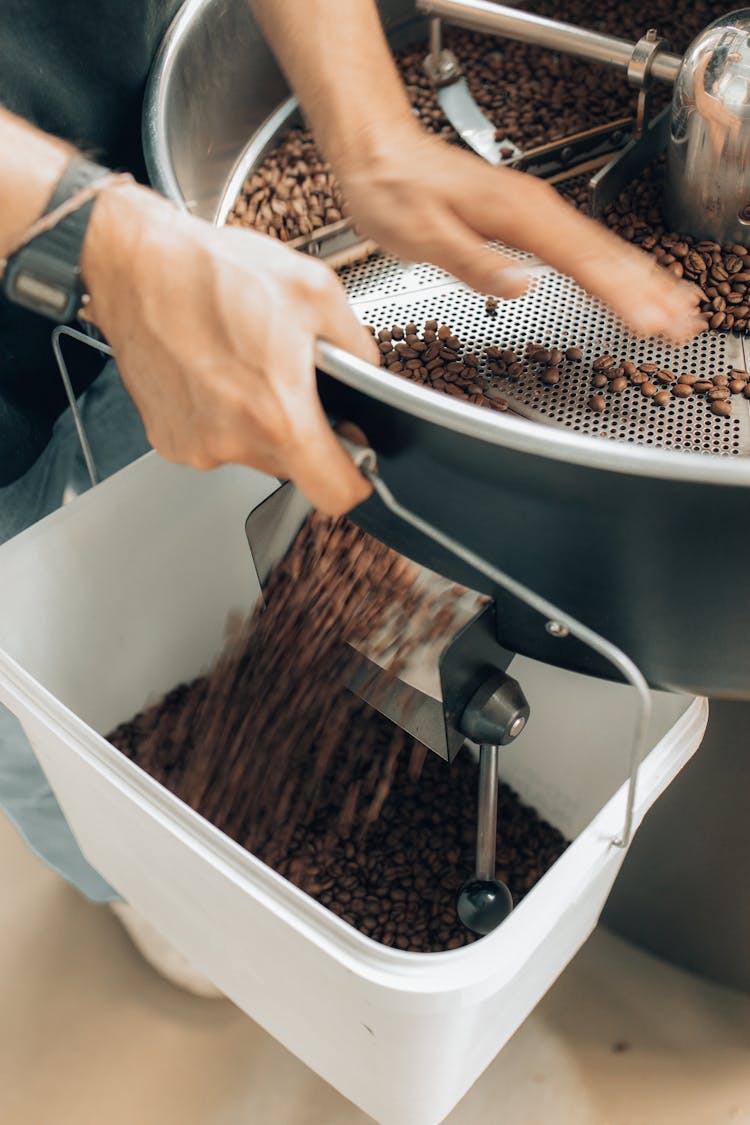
214	333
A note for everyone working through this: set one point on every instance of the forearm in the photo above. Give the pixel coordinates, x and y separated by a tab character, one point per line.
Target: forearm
31	163
337	61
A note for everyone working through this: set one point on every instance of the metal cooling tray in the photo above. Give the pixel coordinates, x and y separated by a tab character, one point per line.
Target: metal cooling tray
555	312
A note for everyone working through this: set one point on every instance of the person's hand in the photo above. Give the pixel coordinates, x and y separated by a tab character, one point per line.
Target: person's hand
425	200
214	332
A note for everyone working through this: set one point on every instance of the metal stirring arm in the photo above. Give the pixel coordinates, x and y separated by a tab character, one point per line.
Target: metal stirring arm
512	23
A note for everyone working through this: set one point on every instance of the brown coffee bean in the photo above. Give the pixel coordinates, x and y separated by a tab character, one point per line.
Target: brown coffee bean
661	398
555	357
717	320
720	380
604	362
688	378
551	376
648	368
628	368
719	394
597	403
682	390
700	386
508	356
721	407
599	381
648	389
618	384
666	377
573	355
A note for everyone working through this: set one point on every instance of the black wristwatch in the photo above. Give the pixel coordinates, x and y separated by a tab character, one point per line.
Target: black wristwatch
45	275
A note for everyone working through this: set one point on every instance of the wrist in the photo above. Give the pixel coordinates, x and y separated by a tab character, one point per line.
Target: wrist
116	240
367	147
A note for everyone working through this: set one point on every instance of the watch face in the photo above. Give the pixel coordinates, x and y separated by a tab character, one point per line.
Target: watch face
30	289
43	284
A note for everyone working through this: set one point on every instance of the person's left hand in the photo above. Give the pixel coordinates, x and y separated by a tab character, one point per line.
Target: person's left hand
425	200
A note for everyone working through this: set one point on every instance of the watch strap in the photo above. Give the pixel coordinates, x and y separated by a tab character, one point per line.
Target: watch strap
45	275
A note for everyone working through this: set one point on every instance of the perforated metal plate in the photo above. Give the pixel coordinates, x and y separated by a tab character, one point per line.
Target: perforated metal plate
557	313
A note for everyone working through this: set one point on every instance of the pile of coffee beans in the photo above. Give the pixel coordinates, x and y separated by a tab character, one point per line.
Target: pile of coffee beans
661	386
722	273
275	751
396	883
435	357
293	193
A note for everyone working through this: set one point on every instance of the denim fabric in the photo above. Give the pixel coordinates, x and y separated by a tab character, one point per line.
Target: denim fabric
116	436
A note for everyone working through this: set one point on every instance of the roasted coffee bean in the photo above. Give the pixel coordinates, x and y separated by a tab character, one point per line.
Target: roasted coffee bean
573	355
688	379
700	386
666	377
618	384
604	362
551	376
599	381
649	389
737	386
555	357
648	368
721	407
661	398
597	403
718	394
682	390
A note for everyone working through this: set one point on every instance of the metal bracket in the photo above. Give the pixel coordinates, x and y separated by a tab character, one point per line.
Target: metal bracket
606	184
639	73
100	346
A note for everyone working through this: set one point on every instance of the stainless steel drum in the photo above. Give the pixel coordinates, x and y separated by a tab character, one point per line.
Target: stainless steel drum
637	526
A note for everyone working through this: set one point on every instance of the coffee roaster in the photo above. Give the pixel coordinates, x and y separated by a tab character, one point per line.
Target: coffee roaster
602	543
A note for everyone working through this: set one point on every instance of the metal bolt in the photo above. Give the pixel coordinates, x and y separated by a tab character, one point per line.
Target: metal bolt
557	629
517	726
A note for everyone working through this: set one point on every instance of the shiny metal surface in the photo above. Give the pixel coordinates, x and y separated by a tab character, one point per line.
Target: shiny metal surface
497	19
214	81
708	164
489	777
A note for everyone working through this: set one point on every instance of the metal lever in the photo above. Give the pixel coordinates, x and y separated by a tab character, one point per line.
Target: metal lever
494	716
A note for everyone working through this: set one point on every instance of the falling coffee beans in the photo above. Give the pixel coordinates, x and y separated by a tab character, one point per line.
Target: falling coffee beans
272	748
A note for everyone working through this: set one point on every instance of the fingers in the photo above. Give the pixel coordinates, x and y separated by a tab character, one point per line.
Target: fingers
648	299
338	324
460	250
319	465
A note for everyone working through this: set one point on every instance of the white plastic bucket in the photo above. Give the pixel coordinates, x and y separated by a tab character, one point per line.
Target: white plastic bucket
124	593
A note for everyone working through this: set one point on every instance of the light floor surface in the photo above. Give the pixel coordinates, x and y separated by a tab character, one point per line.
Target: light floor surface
89	1034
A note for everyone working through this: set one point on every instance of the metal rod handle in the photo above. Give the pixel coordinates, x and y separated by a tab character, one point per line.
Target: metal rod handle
496	19
487	811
